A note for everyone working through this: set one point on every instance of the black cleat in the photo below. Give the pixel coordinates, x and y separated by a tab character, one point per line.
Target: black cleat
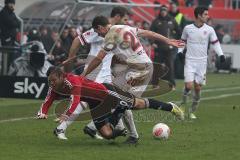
123	133
131	140
59	133
89	131
118	132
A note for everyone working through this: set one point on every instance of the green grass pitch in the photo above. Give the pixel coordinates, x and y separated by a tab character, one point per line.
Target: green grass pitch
213	136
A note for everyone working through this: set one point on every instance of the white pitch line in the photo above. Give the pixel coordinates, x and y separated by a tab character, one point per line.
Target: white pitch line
220	89
16	119
221	96
202	99
21	118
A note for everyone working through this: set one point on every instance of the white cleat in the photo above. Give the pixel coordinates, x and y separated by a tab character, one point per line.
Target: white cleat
59	133
97	136
192	116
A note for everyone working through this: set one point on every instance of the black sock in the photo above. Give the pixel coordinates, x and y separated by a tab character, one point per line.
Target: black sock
154	104
116	116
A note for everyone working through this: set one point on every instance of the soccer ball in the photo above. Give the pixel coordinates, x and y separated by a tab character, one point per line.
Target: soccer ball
161	131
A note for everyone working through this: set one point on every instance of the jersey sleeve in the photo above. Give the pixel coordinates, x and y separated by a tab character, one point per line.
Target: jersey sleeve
184	34
213	37
134	30
75	100
89	37
51	96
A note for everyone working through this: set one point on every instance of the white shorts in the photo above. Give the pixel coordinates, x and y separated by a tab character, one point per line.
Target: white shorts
121	81
195	71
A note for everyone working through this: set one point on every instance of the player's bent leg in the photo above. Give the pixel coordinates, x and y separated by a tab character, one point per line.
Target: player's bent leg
130	125
59	132
91	130
186	92
195	100
154	104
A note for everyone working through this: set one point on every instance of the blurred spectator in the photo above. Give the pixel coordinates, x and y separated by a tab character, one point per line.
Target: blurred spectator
8	24
189	3
174	1
145	42
33	35
227	39
45	38
72	33
205	3
31	64
65	40
210	22
57	52
164	54
156	9
219	32
179	17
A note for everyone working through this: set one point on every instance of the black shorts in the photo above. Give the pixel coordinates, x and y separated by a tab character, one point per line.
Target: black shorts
101	111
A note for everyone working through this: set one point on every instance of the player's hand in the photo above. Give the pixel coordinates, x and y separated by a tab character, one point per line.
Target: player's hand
176	43
63	117
41	116
134	82
222	59
136	78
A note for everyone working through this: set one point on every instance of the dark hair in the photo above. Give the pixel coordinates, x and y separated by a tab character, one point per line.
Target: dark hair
121	11
9	1
199	11
99	21
56	70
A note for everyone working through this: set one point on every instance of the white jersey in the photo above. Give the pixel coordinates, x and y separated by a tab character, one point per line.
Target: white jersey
104	71
198	39
122	41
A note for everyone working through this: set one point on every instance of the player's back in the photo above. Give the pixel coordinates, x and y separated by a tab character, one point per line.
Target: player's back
78	85
102	73
122	40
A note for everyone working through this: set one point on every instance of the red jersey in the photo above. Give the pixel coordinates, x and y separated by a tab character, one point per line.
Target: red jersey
75	87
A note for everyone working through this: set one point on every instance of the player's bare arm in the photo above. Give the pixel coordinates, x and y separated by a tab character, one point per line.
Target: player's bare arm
95	62
72	55
159	37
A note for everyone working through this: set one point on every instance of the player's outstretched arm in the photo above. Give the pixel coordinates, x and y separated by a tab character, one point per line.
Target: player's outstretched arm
155	36
94	63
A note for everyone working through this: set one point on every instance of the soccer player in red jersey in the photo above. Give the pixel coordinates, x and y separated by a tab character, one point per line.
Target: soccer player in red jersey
107	102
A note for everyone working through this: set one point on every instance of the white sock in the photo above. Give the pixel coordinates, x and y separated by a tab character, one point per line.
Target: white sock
195	101
120	125
71	118
186	93
129	123
91	125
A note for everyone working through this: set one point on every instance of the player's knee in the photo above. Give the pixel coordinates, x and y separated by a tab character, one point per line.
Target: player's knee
188	86
197	88
139	103
128	113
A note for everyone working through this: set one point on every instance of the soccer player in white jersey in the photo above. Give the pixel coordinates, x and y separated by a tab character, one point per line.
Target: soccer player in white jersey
119	15
123	42
197	37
